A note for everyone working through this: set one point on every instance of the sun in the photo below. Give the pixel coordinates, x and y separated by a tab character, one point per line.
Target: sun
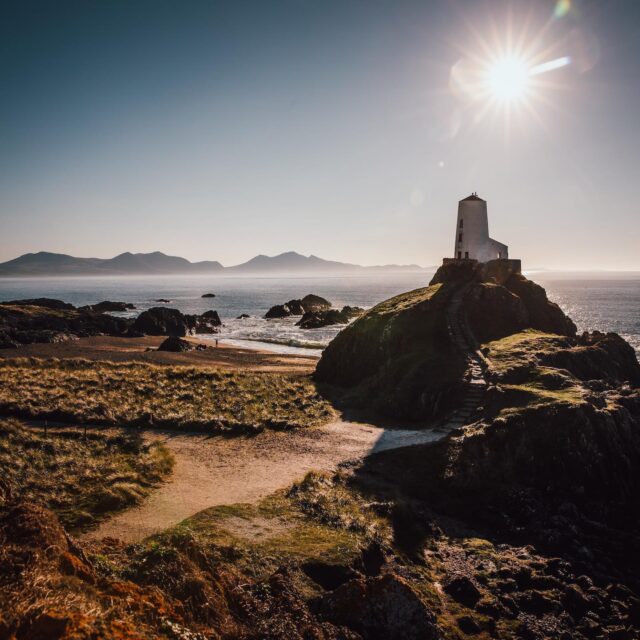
508	79
507	71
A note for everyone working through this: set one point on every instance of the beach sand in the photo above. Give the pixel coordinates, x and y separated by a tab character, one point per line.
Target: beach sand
136	349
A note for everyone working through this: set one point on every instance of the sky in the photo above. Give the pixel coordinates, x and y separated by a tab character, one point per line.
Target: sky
348	129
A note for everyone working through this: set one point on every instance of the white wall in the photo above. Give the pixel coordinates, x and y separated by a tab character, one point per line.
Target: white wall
476	243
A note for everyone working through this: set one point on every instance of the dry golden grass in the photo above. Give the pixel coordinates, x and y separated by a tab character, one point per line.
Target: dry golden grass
187	398
81	478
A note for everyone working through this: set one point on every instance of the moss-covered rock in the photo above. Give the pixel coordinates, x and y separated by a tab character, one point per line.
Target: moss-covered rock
399	354
399	358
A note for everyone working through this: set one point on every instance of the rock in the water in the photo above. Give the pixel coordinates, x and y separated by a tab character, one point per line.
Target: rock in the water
176	345
295	307
163	300
160	321
242	316
278	311
208	322
327	317
108	305
312	302
208	295
212	317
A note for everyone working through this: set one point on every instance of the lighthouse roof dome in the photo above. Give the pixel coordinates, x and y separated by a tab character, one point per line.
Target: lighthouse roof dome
472	197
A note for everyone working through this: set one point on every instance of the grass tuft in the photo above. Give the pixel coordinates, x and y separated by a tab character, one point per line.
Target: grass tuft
81	479
136	394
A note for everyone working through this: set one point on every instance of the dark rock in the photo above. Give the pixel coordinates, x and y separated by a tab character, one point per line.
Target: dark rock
574	601
372	559
242	316
212	317
383	607
163	300
208	322
493	311
317	319
597	356
108	305
295	307
399	356
462	590
328	576
543	314
176	345
208	295
160	321
537	603
7	341
312	302
468	625
32	323
278	311
508	585
46	303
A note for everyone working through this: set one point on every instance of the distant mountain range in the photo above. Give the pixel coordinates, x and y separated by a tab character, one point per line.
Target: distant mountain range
45	263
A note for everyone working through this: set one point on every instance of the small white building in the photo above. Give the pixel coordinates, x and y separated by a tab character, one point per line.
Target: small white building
472	233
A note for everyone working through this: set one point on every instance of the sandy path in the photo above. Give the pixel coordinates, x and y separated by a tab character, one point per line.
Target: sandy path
212	470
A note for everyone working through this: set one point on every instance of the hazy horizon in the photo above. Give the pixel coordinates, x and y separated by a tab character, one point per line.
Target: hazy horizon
347	130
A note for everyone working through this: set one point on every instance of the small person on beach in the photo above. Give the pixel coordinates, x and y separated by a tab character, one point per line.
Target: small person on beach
216	342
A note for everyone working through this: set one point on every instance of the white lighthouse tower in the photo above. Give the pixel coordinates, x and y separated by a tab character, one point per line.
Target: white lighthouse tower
472	233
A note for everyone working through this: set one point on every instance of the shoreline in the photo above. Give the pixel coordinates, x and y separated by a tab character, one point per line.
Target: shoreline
124	349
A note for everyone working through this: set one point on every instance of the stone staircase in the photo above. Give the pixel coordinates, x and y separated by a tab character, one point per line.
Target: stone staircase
476	385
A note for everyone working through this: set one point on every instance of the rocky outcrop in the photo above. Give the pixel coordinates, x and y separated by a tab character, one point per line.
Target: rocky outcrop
108	305
47	303
543	314
401	357
382	607
178	345
297	307
25	324
208	322
278	311
208	295
175	345
500	301
312	302
398	357
162	321
327	317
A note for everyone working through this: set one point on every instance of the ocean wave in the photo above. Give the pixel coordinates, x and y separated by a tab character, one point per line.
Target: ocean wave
286	342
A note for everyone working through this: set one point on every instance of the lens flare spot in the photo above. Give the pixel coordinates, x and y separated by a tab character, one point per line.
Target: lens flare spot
562	8
508	79
552	65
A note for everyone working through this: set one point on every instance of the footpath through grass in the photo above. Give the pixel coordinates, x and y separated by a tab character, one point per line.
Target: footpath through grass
81	478
136	394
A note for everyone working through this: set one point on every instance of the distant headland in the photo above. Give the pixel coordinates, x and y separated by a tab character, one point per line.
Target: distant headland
44	263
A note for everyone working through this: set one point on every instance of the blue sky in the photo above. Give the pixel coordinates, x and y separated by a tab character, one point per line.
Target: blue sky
219	130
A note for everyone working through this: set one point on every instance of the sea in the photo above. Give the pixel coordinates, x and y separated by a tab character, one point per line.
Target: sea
603	301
